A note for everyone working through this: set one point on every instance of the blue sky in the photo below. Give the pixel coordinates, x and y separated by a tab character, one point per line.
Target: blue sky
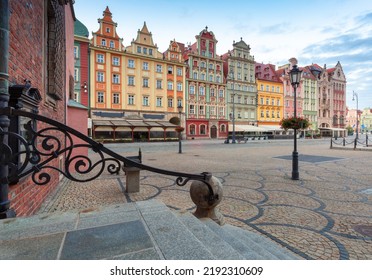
317	31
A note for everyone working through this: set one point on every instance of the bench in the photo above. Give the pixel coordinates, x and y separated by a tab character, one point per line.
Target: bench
132	173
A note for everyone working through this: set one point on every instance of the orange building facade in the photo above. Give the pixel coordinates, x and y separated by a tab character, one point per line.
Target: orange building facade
135	90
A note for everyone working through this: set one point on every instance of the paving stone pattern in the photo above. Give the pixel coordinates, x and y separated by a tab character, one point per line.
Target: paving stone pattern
327	214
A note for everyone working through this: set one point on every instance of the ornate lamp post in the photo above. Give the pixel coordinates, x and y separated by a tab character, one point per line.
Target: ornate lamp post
355	97
233	102
295	77
180	108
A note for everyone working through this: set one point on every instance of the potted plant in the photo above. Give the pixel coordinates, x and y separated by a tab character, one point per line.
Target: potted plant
294	123
179	129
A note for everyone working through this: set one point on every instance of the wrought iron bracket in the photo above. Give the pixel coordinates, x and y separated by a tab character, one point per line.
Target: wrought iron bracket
42	146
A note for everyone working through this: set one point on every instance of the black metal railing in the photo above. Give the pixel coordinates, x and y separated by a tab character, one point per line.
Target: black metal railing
352	142
37	149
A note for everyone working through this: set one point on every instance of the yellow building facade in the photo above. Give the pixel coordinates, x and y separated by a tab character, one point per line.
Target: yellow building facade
136	82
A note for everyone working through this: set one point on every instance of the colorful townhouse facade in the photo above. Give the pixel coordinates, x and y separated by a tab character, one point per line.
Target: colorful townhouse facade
205	89
331	100
270	96
239	71
135	90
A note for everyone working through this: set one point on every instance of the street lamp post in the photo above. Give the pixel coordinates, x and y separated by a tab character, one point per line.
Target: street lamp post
295	77
233	102
180	132
355	97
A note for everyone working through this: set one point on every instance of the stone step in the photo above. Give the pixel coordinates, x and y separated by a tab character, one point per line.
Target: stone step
172	238
140	230
250	244
250	251
212	241
264	242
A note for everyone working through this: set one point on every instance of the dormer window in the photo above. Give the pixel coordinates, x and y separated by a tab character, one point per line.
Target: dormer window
103	42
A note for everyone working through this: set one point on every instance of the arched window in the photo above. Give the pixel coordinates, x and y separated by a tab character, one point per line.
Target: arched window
223	128
192	129
202	129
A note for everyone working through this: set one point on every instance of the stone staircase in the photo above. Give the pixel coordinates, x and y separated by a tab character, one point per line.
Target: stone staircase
137	231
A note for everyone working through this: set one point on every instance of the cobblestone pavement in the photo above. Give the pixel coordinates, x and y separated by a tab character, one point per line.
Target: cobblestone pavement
327	214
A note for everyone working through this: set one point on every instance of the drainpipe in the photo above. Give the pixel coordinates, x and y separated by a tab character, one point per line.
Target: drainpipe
5	211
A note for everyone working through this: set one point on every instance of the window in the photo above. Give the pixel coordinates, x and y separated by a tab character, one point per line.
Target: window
159	102
212	92
170	102
212	110
192	89
192	109
211	66
145	82
100	97
170	85
112	45
130	80
221	112
211	78
201	91
76	52
179	71
277	89
195	75
150	51
192	129
262	114
76	96
261	100
267	88
138	49
267	101
272	101
221	93
202	76
116	98
267	114
158	84
278	102
103	42
201	110
159	68
130	63
76	74
130	99
272	88
100	77
170	69
145	66
116	79
223	128
179	86
115	61
100	58
262	87
179	102
145	101
202	129
108	29
144	50
218	79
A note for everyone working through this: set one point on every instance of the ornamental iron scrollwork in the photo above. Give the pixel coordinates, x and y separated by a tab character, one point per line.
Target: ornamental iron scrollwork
38	148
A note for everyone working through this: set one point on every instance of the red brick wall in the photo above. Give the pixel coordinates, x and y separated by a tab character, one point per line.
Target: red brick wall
27	58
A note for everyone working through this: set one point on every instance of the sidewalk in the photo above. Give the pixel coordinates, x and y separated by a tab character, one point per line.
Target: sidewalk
327	214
